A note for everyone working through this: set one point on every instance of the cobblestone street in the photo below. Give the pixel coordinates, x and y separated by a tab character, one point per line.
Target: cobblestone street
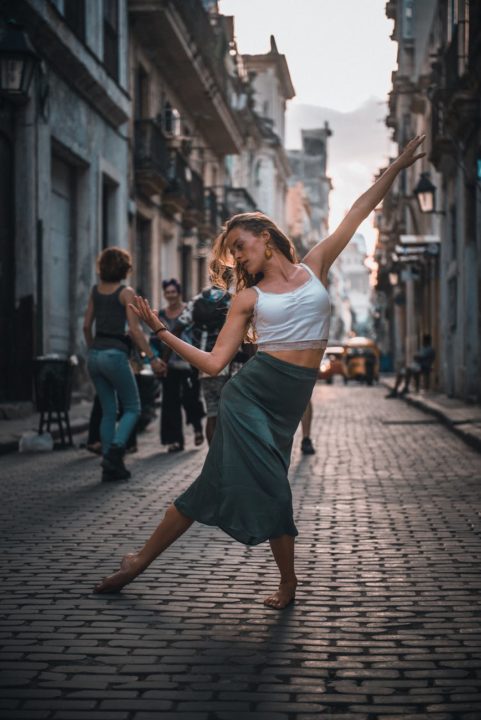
387	618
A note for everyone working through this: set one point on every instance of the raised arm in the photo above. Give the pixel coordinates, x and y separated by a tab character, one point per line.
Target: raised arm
228	341
321	257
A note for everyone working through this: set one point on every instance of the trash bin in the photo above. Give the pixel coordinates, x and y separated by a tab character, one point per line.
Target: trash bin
53	377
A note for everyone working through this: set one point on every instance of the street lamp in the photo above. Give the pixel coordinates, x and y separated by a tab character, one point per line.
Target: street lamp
425	193
17	63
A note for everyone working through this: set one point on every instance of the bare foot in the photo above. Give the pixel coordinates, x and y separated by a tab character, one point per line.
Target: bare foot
130	567
283	597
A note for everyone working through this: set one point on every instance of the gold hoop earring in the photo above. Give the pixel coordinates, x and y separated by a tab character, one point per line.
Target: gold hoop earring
268	252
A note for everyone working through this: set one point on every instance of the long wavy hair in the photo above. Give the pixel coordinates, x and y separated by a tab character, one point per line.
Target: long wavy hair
222	258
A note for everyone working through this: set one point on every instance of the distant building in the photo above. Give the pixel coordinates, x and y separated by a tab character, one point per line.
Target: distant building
272	88
299	218
309	170
308	214
356	283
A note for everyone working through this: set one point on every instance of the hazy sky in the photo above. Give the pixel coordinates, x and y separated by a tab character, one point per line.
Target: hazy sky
339	54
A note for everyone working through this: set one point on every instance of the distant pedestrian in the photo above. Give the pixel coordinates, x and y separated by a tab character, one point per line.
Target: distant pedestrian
180	383
419	367
307	448
243	487
108	357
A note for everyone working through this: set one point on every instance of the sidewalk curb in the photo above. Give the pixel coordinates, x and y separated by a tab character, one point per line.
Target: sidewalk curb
11	446
421	404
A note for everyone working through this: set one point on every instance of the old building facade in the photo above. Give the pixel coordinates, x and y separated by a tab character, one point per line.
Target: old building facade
309	183
429	262
144	127
182	133
352	263
64	162
272	88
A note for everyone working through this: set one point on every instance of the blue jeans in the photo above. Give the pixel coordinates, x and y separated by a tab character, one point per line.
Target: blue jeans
112	376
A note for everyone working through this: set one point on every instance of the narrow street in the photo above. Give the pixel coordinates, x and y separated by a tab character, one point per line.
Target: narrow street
387	621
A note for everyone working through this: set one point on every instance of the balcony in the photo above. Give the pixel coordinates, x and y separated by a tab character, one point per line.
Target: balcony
151	157
441	139
185	191
238	200
181	42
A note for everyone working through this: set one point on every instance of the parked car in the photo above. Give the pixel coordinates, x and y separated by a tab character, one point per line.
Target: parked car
332	363
361	360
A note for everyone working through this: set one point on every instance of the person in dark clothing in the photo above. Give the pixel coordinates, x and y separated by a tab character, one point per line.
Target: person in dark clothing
420	367
204	316
180	383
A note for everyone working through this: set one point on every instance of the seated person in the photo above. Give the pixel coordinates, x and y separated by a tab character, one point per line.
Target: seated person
420	366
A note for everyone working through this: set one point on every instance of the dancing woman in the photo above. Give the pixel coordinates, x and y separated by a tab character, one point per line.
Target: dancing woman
243	487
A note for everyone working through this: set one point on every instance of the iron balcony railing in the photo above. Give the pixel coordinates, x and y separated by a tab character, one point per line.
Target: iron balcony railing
186	186
238	200
151	152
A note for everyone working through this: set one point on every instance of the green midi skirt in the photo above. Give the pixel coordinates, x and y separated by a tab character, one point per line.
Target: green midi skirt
243	487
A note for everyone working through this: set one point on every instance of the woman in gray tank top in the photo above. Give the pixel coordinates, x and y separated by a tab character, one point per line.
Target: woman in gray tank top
108	357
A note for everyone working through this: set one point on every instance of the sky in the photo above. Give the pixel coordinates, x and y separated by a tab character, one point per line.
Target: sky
340	57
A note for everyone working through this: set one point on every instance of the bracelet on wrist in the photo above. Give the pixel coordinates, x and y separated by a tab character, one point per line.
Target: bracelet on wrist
160	329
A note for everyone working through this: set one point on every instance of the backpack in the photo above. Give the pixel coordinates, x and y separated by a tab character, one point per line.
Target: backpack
210	309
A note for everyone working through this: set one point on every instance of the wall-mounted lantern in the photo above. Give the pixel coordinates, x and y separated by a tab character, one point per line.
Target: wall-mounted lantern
18	60
425	193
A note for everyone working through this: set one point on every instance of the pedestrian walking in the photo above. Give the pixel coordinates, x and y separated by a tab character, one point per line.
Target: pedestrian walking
243	487
180	383
109	307
307	448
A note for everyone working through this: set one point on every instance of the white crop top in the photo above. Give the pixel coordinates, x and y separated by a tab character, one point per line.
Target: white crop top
294	320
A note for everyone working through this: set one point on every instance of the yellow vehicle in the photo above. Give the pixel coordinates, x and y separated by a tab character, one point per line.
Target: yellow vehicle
361	360
332	363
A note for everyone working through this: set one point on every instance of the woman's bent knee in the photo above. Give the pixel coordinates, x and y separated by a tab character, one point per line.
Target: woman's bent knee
172	513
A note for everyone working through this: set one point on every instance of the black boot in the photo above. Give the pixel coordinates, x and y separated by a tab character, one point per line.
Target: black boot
307	447
113	464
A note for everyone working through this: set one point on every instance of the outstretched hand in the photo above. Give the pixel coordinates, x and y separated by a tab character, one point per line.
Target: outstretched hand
408	156
142	309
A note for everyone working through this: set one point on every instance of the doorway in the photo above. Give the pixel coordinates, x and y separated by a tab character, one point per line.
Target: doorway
61	250
7	269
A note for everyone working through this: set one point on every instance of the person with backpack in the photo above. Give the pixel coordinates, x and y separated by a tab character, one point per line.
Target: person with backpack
204	317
